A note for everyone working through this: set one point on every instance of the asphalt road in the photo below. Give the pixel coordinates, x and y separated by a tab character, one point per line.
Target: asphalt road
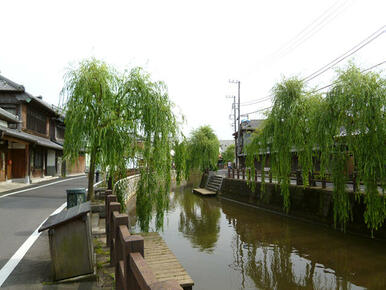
22	213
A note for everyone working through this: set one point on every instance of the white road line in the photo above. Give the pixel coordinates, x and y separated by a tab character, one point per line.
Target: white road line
40	186
16	258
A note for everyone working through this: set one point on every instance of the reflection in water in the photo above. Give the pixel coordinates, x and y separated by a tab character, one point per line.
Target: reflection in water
199	220
224	245
277	253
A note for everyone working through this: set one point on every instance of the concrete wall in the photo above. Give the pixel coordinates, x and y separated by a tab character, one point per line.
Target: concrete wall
129	186
311	204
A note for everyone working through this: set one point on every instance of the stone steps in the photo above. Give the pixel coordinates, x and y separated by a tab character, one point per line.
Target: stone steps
214	183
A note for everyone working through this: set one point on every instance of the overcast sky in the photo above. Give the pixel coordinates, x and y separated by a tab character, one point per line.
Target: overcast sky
194	46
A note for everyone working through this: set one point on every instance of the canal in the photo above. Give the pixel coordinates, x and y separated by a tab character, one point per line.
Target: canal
226	245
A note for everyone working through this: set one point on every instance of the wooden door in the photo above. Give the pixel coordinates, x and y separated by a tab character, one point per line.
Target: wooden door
18	163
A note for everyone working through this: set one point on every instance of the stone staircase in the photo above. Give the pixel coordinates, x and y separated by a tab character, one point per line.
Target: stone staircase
214	183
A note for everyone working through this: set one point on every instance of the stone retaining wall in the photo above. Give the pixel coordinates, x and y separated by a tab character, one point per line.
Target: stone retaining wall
311	204
129	185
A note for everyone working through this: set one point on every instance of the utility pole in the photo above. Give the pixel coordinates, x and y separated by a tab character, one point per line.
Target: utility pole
237	142
234	119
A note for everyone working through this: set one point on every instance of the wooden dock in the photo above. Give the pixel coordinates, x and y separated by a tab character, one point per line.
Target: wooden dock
163	262
203	191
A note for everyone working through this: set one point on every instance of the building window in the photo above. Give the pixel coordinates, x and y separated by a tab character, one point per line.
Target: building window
60	132
38	159
36	121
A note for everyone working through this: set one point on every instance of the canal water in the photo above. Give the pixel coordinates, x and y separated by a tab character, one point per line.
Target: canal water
226	245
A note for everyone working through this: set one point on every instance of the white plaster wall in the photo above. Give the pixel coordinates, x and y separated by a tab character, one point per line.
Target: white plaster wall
50	157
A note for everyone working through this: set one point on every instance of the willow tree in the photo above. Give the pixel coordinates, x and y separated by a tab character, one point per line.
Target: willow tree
122	118
286	133
348	124
180	154
202	149
352	125
229	154
90	91
154	125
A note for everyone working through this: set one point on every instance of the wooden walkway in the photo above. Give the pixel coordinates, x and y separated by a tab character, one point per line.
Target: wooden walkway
163	262
203	191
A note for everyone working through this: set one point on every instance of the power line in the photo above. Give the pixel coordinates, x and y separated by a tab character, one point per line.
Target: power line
347	54
332	63
311	29
259	110
317	90
253	102
318	23
334	83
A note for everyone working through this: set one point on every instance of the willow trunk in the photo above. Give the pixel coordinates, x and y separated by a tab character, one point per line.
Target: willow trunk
91	174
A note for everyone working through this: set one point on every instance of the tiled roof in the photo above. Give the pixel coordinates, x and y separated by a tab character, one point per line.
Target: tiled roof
7	116
8	85
30	138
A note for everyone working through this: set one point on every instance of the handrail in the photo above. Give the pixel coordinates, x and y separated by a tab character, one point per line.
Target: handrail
312	179
127	253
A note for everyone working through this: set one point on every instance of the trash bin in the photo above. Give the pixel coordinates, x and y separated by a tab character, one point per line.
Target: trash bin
75	196
70	242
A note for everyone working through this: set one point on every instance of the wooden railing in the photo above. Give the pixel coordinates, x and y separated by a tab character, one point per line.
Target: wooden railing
312	179
127	253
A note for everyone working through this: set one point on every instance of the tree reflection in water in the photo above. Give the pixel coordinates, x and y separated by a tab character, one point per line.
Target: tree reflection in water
266	251
199	219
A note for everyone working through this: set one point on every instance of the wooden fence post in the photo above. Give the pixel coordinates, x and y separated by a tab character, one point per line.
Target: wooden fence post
354	182
238	173
299	177
116	250
243	172
270	176
233	173
133	244
255	174
229	173
109	199
114	206
313	181
324	182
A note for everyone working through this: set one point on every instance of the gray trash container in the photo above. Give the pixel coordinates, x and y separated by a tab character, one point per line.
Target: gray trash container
70	242
75	196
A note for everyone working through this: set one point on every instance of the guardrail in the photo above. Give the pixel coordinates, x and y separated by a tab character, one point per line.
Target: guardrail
297	176
127	253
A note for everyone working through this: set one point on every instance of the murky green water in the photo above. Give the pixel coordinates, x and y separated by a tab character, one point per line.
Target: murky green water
225	245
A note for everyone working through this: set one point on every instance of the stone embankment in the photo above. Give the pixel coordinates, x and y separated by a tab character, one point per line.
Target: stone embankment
313	204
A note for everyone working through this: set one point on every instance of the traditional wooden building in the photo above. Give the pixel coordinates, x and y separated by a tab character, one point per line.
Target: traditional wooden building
32	142
247	127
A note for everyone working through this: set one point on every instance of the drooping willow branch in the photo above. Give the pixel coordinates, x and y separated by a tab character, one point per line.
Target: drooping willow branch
348	124
122	119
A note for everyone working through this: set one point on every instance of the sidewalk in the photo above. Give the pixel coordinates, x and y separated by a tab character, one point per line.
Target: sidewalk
35	271
6	186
